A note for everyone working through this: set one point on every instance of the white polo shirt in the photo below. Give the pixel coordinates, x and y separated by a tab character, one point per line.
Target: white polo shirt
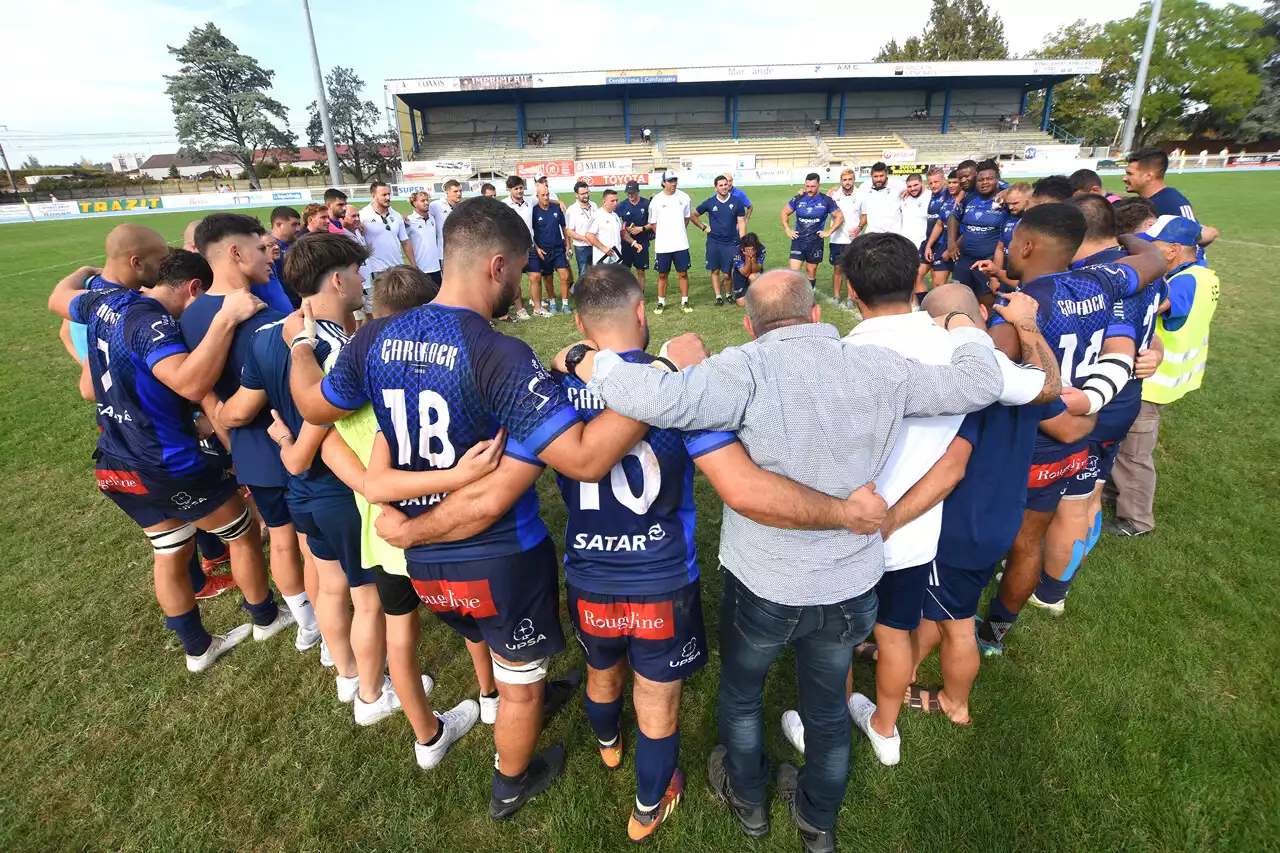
525	209
850	206
383	234
608	230
439	210
668	213
577	218
422	236
914	223
921	442
883	208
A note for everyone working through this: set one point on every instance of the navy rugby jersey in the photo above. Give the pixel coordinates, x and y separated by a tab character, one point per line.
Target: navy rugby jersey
1006	231
548	226
144	423
946	205
635	214
441	380
632	532
722	217
811	214
981	222
1171	202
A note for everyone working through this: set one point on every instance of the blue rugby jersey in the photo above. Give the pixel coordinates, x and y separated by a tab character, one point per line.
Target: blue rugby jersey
1006	230
440	380
635	214
946	205
548	226
144	424
632	532
811	215
1171	202
722	217
981	222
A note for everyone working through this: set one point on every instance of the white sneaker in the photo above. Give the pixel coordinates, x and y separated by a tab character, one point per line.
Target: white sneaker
283	620
542	312
222	643
348	688
326	659
307	639
793	729
488	709
454	724
1057	608
888	749
387	704
522	314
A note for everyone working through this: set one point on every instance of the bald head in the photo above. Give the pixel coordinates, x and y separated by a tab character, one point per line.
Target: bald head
189	236
947	298
779	298
134	255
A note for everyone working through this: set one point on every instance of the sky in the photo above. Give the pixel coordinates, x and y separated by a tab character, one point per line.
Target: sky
98	89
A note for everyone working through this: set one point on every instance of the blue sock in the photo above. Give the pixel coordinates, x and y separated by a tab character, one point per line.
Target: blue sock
263	613
198	580
190	630
210	546
605	718
655	764
1095	533
1051	590
920	298
813	285
1000	613
507	788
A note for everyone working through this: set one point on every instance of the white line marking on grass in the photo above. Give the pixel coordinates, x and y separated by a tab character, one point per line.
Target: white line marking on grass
1247	243
69	266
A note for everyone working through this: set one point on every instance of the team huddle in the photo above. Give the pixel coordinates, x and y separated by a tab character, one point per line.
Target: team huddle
388	438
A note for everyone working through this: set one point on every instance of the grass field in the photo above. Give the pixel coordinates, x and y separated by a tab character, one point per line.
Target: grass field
1146	719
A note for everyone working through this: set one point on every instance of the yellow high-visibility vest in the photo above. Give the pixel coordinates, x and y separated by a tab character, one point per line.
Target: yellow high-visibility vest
1186	350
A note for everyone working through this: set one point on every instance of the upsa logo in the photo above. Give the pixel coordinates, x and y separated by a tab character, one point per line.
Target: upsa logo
688	654
525	635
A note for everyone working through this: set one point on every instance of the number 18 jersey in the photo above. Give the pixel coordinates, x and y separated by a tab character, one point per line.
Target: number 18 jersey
440	380
632	532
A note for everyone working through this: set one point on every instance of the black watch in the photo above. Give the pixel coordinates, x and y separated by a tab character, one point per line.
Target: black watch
574	357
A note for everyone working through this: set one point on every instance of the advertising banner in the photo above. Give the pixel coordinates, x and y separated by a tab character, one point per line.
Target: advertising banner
718	162
495	81
419	170
1046	166
899	155
550	168
117	205
587	167
618	179
1238	160
646	75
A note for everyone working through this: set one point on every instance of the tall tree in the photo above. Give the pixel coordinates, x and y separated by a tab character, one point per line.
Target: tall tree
363	149
957	29
1088	105
221	103
1263	120
31	162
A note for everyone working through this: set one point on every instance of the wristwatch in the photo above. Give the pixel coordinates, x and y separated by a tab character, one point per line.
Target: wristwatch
574	357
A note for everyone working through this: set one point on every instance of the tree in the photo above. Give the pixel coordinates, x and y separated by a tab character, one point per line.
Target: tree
173	171
362	148
957	29
220	102
1088	105
31	162
1263	120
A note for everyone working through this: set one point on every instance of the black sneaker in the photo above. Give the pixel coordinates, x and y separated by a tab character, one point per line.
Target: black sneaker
558	692
754	820
815	840
719	301
542	771
1122	527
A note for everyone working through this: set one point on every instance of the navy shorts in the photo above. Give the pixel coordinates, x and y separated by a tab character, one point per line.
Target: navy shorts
964	273
151	500
512	603
937	264
901	596
1107	453
661	636
720	255
740	285
582	254
273	505
635	258
809	251
333	533
836	252
953	593
531	263
1052	471
555	260
663	261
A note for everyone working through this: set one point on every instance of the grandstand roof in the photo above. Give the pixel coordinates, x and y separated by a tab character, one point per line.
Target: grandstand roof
761	79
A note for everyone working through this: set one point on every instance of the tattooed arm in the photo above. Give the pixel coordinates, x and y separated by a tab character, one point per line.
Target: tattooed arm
1021	312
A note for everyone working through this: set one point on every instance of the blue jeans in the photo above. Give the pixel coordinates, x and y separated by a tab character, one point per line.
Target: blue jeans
582	254
753	632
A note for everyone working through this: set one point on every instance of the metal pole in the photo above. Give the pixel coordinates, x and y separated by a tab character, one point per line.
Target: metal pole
5	157
322	102
1140	85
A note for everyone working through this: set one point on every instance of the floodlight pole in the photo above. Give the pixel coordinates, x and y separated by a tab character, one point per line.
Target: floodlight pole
1140	85
5	157
322	102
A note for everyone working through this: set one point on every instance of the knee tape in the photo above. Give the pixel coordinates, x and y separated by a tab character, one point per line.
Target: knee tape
172	541
520	673
233	531
1095	533
1077	557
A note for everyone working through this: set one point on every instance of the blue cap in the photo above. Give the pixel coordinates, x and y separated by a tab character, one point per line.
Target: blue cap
670	175
1173	229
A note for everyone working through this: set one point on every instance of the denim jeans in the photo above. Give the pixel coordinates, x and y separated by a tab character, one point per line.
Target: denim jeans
753	632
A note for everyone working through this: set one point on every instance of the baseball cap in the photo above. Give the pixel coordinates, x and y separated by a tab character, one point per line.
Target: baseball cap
1173	229
670	175
633	186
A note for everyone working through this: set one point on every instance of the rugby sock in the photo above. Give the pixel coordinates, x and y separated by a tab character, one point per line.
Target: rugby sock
263	613
300	606
684	300
813	285
1000	613
1095	533
920	298
655	764
196	571
605	719
507	788
210	546
1051	590
191	632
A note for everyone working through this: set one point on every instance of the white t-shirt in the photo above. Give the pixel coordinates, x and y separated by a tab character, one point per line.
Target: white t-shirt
915	217
365	270
608	230
525	209
577	218
422	236
850	206
439	210
383	235
883	208
668	213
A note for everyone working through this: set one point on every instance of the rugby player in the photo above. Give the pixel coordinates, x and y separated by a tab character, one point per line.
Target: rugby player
941	206
516	201
727	222
441	379
849	201
285	227
315	220
551	243
811	209
424	234
669	215
634	213
914	212
1016	200
1054	188
1134	214
739	195
748	265
1088	182
149	461
486	189
1144	176
335	203
974	230
1075	310
880	208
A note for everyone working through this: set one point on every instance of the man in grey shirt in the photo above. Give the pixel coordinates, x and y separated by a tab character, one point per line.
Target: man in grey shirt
825	414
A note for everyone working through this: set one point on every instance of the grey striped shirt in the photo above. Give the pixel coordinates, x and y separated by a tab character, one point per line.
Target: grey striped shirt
811	408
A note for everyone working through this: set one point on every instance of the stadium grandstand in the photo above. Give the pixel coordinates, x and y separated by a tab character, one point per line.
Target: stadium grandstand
774	116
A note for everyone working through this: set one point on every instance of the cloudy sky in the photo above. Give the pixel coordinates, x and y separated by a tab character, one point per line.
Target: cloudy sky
94	71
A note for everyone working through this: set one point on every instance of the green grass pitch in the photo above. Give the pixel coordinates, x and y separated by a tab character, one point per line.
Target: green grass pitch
1145	719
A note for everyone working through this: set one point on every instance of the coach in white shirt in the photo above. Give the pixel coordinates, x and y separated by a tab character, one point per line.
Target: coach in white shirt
441	208
669	213
424	233
577	217
384	231
914	212
605	231
849	200
881	208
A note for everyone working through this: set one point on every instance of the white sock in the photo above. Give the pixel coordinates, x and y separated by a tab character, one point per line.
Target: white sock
684	300
300	606
642	808
662	300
